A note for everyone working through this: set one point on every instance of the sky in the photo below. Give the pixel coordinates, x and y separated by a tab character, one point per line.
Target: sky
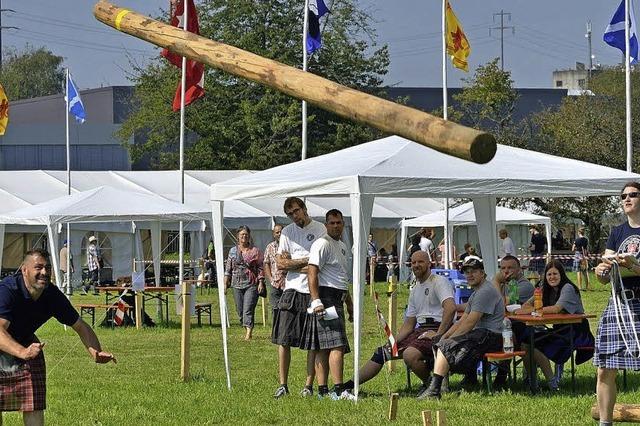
548	35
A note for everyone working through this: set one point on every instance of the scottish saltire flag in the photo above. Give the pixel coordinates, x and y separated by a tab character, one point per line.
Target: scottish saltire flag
614	34
317	9
75	103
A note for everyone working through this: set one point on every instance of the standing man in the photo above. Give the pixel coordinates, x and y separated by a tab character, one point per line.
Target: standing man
271	271
93	263
27	301
476	333
507	247
537	247
426	242
580	264
65	256
328	276
293	256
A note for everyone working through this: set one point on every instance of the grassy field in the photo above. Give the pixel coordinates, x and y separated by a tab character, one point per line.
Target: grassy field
144	387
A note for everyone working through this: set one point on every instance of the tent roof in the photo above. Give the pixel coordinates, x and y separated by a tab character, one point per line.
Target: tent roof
397	167
103	204
465	215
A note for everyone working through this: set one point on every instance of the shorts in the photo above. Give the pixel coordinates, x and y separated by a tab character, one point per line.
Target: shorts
288	319
318	334
25	388
463	352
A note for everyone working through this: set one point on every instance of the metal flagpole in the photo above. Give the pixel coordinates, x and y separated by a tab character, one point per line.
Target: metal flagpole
447	237
69	289
627	81
304	68
186	303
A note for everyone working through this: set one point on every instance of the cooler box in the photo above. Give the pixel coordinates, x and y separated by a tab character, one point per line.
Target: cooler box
450	274
462	292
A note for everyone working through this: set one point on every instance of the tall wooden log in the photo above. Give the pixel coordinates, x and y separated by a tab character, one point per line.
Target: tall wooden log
621	413
444	136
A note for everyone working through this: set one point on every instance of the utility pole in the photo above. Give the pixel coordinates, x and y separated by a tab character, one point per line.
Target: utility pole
502	27
4	28
588	36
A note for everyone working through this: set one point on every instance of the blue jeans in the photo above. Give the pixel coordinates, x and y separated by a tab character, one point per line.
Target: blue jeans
246	300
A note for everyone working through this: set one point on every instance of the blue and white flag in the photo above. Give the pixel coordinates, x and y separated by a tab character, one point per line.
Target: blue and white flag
614	34
317	9
75	103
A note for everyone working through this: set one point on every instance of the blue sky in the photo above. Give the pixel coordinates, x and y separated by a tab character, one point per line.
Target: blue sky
549	35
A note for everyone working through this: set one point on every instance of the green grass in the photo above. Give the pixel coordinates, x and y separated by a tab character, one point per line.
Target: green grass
144	387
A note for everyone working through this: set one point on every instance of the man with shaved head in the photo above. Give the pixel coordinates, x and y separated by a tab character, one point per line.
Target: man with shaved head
429	315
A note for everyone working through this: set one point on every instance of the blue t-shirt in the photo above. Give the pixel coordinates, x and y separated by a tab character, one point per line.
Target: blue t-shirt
625	239
26	315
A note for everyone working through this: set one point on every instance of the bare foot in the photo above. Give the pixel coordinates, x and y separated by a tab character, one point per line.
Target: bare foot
248	334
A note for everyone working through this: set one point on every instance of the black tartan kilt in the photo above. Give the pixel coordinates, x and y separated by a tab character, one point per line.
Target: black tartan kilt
288	319
318	334
463	352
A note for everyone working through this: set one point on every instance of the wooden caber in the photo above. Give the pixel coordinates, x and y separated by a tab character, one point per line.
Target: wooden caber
442	135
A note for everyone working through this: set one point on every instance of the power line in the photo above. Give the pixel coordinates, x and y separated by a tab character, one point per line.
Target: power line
502	27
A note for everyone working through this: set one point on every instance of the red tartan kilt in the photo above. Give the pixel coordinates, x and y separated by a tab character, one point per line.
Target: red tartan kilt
25	389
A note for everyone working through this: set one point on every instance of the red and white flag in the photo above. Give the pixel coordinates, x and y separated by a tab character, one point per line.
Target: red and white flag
194	79
121	311
387	329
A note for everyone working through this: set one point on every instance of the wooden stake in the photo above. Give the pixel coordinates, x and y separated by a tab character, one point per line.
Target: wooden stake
138	297
372	270
393	406
441	418
390	117
264	313
426	418
621	413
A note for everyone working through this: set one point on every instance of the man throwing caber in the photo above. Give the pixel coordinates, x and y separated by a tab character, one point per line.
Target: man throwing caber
27	301
293	255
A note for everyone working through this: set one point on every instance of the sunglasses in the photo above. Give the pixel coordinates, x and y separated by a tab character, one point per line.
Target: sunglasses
630	195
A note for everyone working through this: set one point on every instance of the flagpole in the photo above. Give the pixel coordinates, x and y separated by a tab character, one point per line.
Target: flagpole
627	80
304	68
186	303
69	289
445	115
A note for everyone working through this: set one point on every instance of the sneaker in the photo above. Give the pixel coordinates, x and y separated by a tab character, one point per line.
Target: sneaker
332	396
347	395
281	391
306	391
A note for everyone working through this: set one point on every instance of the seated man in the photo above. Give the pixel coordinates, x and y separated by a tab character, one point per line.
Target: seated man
429	314
476	333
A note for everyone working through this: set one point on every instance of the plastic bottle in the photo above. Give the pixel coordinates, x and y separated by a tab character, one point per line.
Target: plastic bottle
513	292
507	336
537	301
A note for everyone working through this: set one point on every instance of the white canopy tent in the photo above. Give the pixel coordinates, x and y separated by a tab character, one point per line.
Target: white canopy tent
396	167
102	204
465	215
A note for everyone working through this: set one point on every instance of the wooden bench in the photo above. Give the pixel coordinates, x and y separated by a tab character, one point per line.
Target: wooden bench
203	308
494	358
90	309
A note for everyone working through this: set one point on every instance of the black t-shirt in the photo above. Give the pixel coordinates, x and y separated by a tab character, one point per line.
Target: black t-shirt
581	243
26	315
538	242
625	239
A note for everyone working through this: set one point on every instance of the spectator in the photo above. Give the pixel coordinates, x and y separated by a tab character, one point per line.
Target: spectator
244	273
66	258
94	264
507	247
415	245
559	295
275	275
426	242
580	263
372	247
510	269
476	333
467	248
537	248
429	315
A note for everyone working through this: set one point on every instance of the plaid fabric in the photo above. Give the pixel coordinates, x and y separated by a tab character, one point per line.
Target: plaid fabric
92	257
25	389
278	277
318	334
288	319
610	350
463	352
425	346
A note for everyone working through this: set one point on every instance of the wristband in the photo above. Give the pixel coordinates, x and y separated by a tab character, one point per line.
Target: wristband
315	303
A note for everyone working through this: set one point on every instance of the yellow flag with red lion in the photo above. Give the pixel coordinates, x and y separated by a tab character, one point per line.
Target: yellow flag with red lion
457	43
4	110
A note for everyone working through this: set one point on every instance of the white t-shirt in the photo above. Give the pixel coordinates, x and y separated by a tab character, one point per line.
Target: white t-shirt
297	242
330	256
425	300
507	247
426	245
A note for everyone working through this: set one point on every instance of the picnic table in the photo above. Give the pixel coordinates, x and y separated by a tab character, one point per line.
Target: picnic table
547	321
161	294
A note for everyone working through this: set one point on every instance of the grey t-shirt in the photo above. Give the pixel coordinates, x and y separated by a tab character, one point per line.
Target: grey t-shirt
525	290
570	300
487	299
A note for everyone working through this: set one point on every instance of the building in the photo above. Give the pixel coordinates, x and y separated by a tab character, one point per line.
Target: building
35	138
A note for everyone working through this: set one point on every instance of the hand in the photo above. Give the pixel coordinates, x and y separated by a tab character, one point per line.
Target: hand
320	311
104	357
603	268
285	255
430	334
32	351
500	278
627	260
260	286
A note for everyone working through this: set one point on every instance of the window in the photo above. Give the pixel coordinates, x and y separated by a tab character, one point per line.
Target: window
581	83
558	83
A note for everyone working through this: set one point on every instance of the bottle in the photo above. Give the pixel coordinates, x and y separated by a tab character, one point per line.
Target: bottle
537	301
513	292
507	336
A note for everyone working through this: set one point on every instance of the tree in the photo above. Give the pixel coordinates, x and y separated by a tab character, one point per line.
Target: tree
31	73
240	124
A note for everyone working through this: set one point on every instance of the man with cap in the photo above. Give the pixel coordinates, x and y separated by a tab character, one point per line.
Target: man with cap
93	263
476	333
66	259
